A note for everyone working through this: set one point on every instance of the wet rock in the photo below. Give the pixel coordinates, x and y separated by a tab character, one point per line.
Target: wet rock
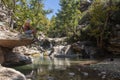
85	73
103	72
104	76
10	74
71	74
49	77
14	59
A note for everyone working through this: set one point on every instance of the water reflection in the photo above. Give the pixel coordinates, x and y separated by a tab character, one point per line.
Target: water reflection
46	68
43	65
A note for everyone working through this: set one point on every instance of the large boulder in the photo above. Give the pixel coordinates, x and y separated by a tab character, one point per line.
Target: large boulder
10	74
88	50
14	59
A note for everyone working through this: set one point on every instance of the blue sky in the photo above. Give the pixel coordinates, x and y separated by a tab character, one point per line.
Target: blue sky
52	4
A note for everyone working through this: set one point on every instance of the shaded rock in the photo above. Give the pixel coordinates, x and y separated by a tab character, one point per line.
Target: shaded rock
85	73
88	50
10	74
14	59
1	56
71	74
104	76
50	77
81	45
46	44
103	72
114	42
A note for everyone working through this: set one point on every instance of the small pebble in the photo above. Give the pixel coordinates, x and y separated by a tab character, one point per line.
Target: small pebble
104	76
99	74
103	72
71	74
85	73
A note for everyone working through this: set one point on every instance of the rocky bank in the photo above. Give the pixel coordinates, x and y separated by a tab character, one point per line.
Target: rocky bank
10	74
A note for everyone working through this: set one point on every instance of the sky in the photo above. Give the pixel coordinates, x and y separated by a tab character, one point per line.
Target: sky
52	4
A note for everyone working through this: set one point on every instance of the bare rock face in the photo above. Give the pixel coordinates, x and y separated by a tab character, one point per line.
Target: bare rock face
1	56
114	46
10	39
26	51
14	43
10	74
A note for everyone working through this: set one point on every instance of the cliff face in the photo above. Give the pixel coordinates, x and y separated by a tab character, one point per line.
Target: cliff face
115	41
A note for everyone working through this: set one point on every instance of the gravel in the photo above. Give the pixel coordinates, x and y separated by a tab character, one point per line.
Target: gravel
108	67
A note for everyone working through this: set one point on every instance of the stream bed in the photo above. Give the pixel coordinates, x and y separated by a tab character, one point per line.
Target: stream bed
46	68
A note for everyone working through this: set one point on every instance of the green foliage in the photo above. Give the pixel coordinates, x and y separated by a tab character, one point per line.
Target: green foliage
96	18
101	13
32	9
28	9
67	18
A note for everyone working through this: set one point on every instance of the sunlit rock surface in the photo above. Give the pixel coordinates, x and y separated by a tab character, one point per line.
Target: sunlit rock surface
10	74
10	39
26	51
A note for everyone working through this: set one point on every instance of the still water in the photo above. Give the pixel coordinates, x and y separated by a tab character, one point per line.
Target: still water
46	68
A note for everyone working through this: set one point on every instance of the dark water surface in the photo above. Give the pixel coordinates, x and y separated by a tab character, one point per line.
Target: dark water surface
46	68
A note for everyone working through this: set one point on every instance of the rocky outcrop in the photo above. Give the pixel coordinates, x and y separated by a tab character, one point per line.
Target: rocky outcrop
47	43
10	39
10	58
88	50
61	51
13	39
114	46
14	59
26	51
10	74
